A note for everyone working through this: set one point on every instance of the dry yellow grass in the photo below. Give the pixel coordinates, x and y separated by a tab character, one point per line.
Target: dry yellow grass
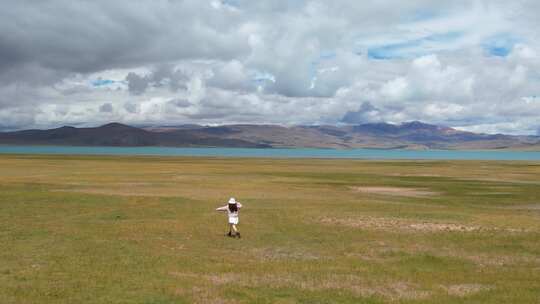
81	229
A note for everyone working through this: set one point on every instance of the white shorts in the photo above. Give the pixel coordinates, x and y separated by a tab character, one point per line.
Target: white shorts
233	220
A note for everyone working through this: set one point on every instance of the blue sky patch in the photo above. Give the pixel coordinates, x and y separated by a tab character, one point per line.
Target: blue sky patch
423	15
500	45
102	82
327	55
261	78
412	48
233	3
500	51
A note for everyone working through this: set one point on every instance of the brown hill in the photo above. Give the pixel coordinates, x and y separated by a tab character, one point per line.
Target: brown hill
411	135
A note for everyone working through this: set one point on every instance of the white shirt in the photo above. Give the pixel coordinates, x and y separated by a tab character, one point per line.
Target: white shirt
230	213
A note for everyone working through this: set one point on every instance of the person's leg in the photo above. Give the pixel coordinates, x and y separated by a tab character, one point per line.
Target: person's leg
236	230
230	230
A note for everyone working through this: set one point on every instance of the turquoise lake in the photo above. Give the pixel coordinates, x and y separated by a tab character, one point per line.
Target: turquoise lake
276	153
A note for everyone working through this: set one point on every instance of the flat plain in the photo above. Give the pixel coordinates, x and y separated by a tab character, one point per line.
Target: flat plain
104	229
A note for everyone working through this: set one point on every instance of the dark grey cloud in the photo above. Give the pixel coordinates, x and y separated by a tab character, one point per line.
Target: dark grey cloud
161	75
11	120
131	107
90	36
180	103
137	84
106	108
366	113
169	75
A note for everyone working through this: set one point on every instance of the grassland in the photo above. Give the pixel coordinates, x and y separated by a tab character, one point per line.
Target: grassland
83	229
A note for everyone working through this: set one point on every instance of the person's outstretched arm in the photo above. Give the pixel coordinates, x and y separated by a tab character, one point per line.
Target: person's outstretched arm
224	208
239	205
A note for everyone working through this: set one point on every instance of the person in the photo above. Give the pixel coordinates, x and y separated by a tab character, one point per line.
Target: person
232	209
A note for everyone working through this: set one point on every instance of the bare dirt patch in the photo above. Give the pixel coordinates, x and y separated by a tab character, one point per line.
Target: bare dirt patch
501	180
382	252
463	290
131	184
484	260
406	225
402	290
394	224
532	207
395	191
393	291
123	192
490	193
206	295
414	175
269	254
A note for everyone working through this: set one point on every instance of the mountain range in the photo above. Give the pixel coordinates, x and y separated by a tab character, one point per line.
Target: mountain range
410	135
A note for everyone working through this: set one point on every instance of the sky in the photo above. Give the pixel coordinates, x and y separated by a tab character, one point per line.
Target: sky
473	65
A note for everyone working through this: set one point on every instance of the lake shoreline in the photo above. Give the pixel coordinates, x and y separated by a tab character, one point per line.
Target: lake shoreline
280	153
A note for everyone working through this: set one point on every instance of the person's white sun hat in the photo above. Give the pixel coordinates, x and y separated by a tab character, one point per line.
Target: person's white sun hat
232	201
